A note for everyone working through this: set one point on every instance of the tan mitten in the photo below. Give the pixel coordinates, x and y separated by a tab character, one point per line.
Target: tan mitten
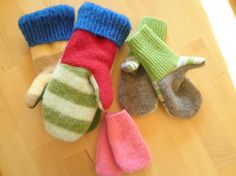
46	32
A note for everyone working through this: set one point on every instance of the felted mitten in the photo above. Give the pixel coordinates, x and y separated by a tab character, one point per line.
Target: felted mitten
71	97
46	32
127	144
136	93
105	161
177	94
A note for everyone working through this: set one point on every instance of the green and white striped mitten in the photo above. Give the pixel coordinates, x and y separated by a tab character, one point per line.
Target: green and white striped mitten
69	103
166	71
136	93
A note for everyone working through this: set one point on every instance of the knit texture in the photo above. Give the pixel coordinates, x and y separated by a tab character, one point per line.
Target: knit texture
167	73
69	103
136	93
157	59
127	144
103	22
48	25
105	161
159	27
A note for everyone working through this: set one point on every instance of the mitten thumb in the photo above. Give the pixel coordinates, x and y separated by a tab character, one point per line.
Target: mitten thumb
190	62
36	89
102	84
130	64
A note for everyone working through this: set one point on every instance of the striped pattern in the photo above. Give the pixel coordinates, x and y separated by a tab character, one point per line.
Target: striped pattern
130	65
69	103
188	60
160	97
45	58
155	56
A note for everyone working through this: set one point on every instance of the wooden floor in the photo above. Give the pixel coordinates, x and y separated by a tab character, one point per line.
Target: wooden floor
202	146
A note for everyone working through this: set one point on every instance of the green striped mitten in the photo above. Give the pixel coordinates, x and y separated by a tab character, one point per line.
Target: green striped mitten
136	93
166	71
69	103
81	80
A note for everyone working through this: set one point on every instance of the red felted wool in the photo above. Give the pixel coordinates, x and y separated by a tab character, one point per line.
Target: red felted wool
95	53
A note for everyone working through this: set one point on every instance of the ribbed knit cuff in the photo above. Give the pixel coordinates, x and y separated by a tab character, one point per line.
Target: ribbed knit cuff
48	25
118	119
103	22
154	55
159	27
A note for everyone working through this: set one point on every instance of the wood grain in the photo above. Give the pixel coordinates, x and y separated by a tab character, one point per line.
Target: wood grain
204	145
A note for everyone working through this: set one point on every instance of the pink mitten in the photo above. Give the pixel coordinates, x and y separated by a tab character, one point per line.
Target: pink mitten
128	146
105	162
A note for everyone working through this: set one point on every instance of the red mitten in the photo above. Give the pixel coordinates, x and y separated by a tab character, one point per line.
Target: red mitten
98	34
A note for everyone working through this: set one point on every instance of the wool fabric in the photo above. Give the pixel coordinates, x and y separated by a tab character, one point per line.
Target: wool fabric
82	78
103	22
105	161
130	151
182	98
46	32
136	93
96	51
48	25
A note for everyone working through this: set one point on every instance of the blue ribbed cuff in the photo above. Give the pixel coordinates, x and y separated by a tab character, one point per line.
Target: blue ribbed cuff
48	25
103	22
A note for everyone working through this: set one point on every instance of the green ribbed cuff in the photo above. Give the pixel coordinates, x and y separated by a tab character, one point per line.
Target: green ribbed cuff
154	55
159	27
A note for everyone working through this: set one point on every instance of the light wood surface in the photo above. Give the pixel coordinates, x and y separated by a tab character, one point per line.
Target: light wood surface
202	146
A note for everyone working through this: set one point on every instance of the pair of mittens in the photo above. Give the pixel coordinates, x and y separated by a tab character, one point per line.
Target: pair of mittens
81	81
121	147
136	93
166	70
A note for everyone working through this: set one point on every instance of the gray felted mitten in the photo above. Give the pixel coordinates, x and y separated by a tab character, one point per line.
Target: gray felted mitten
136	93
166	71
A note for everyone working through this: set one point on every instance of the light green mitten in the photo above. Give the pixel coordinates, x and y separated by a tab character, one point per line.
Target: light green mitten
166	71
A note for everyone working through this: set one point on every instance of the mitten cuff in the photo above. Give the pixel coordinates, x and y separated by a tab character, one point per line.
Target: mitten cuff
159	27
154	55
47	25
103	22
118	119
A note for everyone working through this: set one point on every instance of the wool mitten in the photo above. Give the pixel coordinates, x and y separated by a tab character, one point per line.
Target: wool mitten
177	94
98	34
46	32
136	93
127	144
105	161
82	77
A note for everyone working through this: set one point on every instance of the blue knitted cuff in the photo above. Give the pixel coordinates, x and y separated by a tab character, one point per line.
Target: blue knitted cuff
103	22
48	25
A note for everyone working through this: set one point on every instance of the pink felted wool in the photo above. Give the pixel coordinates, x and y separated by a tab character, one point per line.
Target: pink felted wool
105	162
127	144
